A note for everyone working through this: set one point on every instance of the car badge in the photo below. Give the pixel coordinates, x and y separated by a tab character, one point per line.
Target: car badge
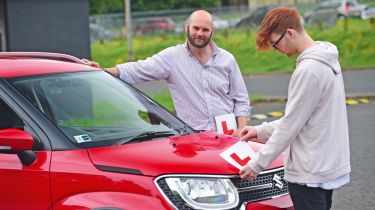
278	183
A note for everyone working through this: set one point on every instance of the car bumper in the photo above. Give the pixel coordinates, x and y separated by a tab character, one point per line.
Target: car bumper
283	202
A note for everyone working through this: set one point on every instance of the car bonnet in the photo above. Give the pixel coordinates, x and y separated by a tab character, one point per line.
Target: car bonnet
189	154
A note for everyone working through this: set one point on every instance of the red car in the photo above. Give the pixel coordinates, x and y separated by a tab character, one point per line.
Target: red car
155	25
74	137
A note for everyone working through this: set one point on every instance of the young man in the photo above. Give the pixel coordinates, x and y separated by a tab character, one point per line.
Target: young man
204	80
314	130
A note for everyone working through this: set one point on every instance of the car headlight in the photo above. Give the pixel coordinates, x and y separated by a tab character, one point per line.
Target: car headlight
205	193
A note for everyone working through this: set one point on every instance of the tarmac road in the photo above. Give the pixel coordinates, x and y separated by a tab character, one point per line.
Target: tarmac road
357	82
359	194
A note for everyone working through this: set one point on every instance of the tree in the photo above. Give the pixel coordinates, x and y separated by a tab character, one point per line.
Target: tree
106	6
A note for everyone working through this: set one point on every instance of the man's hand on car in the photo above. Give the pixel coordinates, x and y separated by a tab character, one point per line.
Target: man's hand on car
248	133
113	70
91	63
247	173
236	133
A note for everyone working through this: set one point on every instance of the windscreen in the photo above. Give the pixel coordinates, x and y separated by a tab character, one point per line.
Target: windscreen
91	107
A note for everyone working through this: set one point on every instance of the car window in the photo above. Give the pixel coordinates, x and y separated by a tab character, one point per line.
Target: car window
94	106
9	119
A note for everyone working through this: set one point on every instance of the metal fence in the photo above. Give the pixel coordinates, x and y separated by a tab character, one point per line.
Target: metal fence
184	12
116	20
112	25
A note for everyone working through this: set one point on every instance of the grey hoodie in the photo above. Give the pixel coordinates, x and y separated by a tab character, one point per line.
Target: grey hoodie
314	130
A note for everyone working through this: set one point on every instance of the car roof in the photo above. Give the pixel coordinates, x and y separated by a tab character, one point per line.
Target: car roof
330	4
18	64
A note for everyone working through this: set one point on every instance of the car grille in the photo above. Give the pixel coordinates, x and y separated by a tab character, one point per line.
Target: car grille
264	187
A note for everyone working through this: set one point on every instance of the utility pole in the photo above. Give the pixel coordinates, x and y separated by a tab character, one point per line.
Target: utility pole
128	29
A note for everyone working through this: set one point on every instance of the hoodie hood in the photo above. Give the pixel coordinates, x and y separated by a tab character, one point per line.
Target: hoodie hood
324	52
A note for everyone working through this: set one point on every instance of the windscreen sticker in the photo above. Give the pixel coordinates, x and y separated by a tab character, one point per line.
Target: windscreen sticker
83	138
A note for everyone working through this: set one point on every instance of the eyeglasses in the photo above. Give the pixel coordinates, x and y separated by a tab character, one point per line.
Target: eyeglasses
274	46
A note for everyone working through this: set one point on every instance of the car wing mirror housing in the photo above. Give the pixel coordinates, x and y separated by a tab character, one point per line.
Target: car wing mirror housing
17	141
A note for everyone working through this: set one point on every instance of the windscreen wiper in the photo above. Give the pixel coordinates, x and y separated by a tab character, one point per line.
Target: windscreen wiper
146	136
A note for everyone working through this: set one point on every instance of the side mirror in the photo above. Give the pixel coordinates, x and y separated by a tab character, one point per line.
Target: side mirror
16	141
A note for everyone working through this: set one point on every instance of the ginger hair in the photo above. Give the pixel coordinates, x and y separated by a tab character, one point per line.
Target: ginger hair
277	20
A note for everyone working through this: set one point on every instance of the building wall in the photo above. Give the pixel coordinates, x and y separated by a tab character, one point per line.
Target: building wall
2	26
60	26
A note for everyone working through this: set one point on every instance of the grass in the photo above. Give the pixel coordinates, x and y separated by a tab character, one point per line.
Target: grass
354	41
356	48
164	99
370	3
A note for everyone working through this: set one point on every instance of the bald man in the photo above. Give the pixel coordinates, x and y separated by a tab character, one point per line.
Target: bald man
203	79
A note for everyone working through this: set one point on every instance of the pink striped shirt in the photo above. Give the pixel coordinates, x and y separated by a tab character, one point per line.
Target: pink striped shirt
199	92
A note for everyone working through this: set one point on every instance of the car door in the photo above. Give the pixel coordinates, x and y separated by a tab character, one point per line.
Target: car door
22	186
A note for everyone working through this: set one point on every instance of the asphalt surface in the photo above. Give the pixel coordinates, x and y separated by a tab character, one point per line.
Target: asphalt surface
359	193
357	83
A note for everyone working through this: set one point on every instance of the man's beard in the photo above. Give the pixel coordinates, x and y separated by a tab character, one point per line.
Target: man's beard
197	44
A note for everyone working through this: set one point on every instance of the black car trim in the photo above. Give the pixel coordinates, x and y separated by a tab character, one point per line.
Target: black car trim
119	169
